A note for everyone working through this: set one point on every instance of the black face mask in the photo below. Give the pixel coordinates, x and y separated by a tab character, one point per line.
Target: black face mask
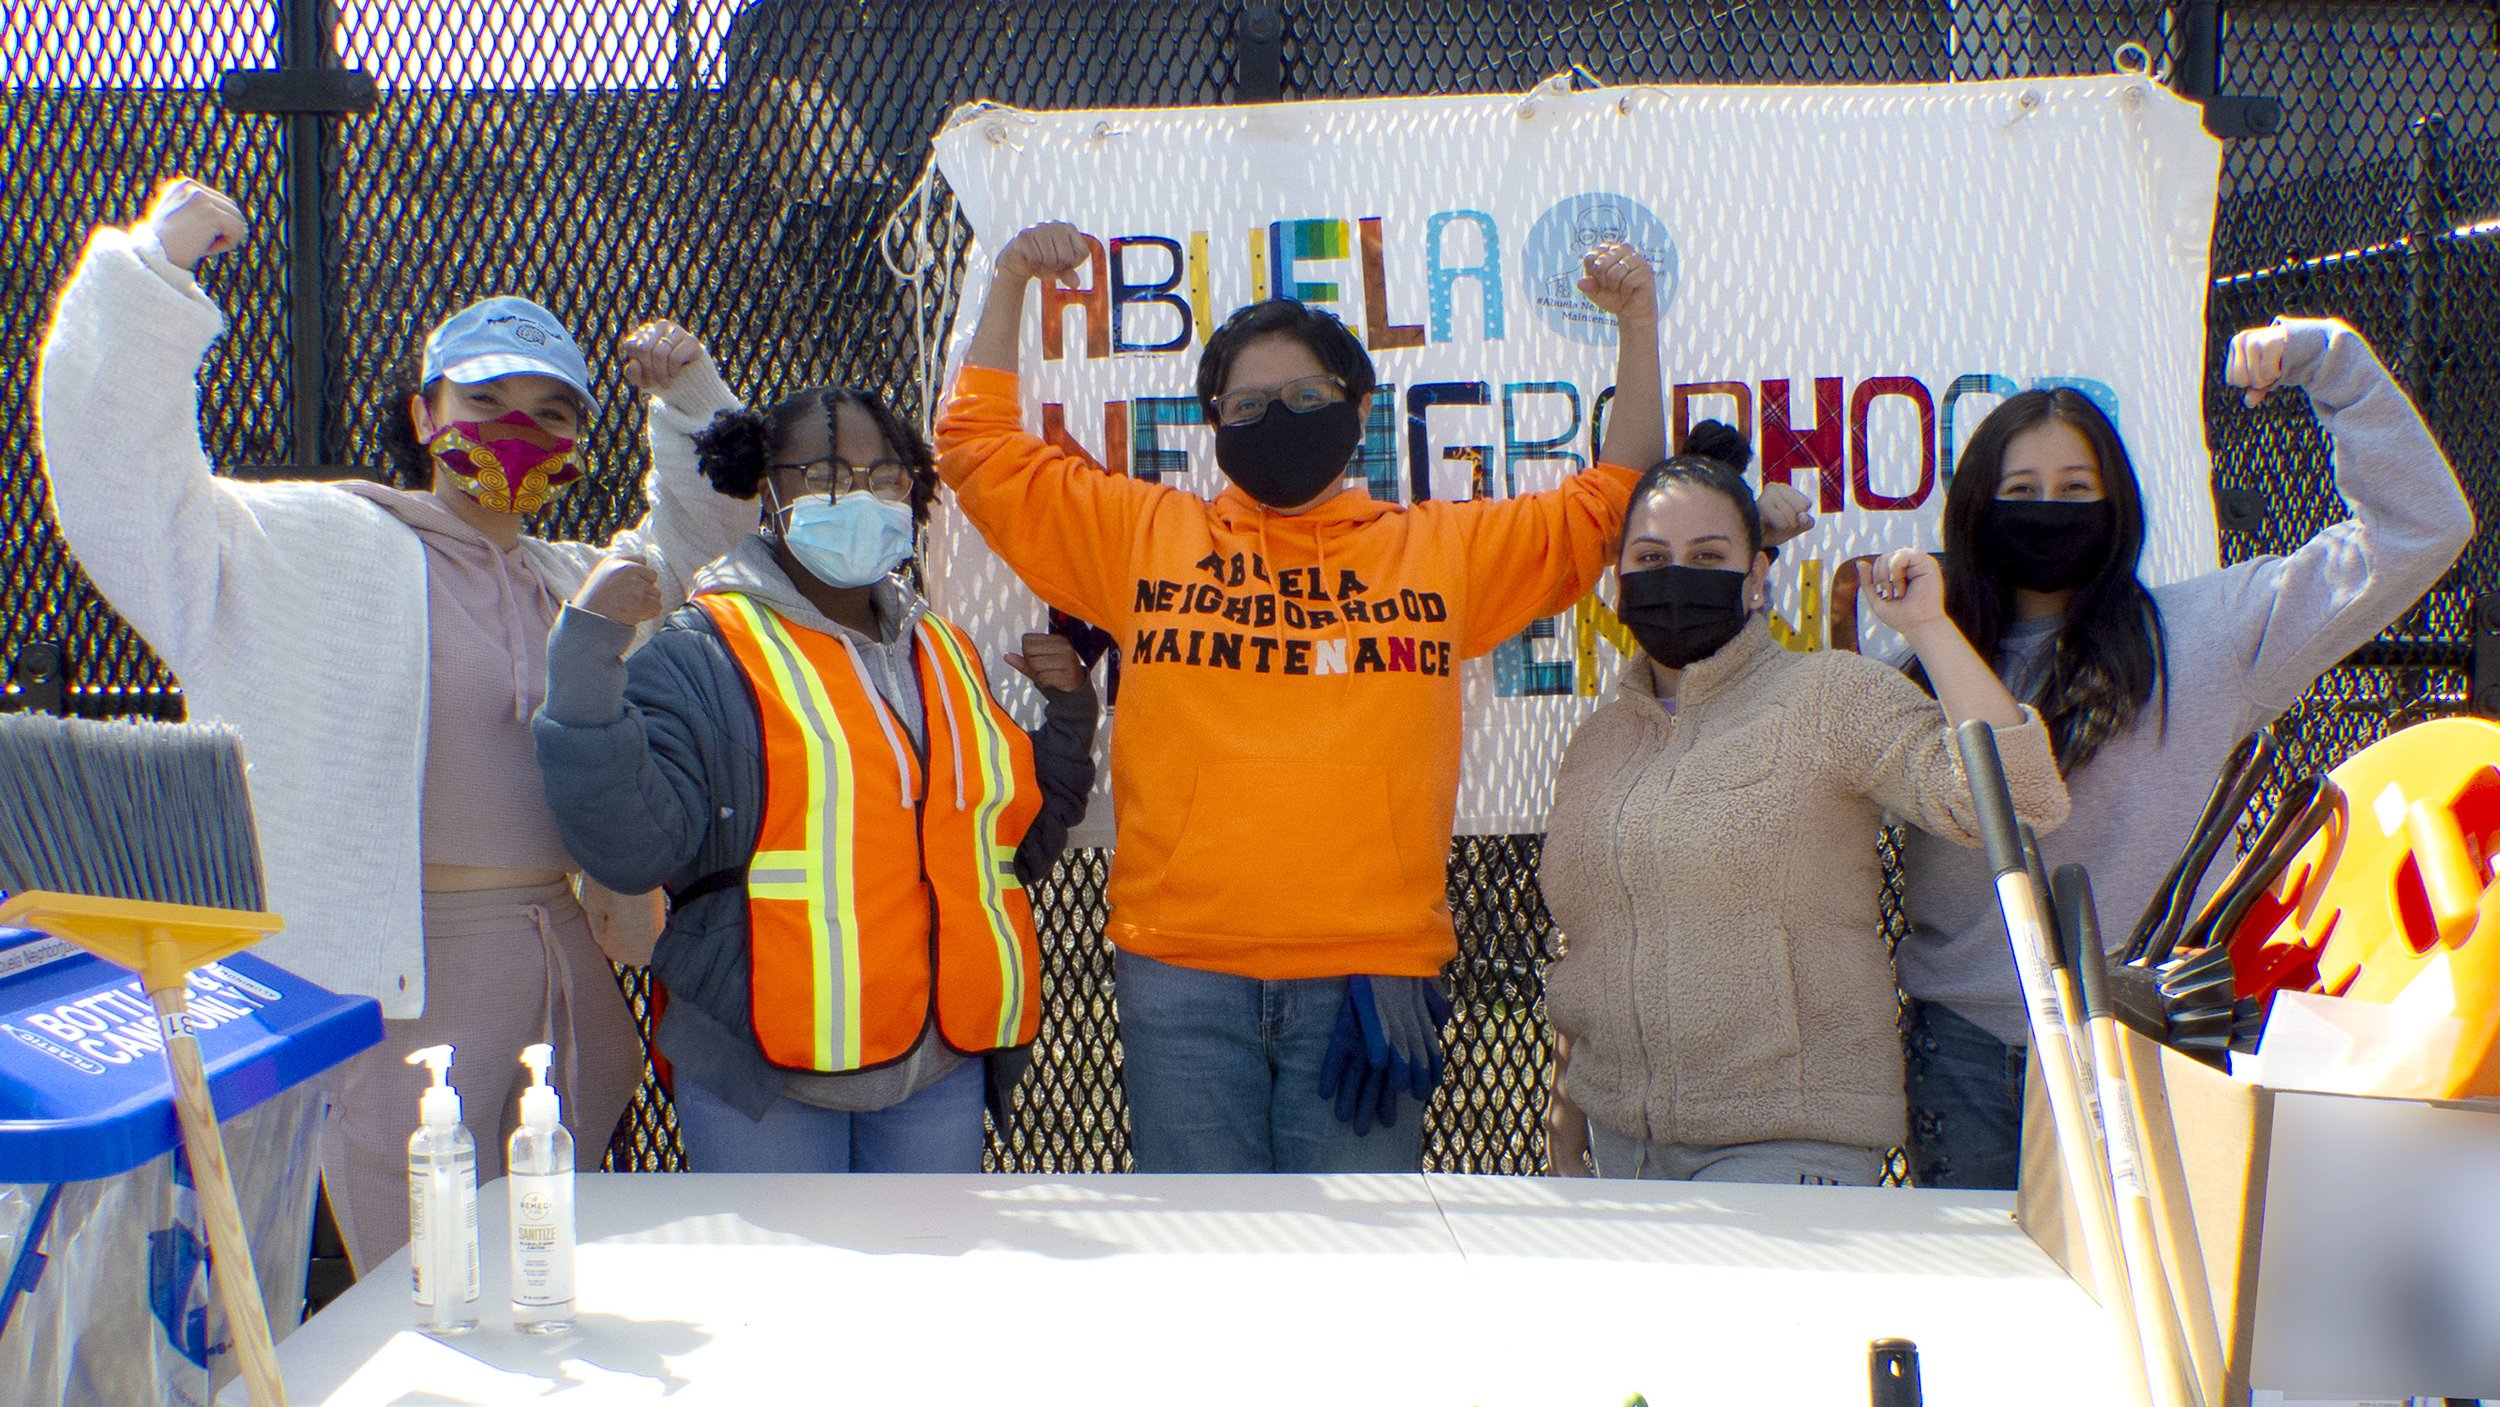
1286	457
1682	614
2043	546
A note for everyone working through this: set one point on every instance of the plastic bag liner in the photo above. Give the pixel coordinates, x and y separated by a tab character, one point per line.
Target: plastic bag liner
105	1288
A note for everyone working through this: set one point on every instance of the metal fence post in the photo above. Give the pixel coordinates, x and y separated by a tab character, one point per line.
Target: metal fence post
303	44
2197	74
2426	243
38	682
1259	54
304	89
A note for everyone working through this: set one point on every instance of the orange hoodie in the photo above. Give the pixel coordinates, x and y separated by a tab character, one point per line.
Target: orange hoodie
1286	763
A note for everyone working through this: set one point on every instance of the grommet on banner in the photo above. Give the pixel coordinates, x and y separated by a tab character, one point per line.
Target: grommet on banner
1104	130
2026	103
1535	97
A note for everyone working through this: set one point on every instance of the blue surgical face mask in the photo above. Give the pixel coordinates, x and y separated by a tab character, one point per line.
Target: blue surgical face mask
848	541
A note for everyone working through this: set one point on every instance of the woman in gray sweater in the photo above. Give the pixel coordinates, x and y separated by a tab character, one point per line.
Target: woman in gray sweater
2144	690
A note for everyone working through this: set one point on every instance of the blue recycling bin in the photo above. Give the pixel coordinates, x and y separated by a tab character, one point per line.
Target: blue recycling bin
106	1295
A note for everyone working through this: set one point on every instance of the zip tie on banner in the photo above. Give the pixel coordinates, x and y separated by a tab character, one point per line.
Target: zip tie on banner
967	113
1534	98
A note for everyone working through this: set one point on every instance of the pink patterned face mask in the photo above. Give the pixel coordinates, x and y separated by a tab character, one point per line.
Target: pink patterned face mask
509	464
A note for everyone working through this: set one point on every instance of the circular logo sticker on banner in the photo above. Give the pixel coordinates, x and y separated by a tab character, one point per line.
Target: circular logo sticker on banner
1572	228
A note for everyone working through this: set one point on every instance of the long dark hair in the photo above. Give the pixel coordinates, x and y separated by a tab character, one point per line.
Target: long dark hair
2109	659
737	447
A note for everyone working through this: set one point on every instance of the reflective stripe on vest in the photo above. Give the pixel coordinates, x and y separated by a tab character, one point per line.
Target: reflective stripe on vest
846	971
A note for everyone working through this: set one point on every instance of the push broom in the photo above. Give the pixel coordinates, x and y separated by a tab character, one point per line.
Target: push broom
135	842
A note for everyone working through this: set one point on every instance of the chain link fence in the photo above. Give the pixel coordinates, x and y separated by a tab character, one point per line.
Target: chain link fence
733	165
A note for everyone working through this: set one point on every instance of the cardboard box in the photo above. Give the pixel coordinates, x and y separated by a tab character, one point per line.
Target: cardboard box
2330	1246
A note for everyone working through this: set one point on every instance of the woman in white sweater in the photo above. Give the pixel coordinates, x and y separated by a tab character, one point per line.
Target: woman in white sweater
380	652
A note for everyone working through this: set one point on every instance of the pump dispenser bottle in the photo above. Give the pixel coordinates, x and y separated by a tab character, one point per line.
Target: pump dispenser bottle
442	1204
538	1165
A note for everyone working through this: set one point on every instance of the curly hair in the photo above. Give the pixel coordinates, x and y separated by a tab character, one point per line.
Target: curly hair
411	463
739	446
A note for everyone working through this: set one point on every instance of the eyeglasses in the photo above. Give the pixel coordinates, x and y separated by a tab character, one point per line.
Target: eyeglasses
887	478
1301	396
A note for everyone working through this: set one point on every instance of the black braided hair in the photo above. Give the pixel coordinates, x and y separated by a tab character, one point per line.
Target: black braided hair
735	450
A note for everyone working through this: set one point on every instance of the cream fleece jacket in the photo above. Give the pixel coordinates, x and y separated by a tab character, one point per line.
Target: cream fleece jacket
1715	876
295	612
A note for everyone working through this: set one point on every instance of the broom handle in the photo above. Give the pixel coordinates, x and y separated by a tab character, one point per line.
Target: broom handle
2086	1175
2159	1322
230	1247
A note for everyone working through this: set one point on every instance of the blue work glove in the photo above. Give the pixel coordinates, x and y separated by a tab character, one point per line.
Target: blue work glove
1387	1042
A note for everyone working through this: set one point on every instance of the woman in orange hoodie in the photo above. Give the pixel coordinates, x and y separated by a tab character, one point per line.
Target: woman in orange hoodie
1286	766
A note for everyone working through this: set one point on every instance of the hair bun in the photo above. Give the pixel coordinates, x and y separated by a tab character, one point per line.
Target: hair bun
1718	440
731	452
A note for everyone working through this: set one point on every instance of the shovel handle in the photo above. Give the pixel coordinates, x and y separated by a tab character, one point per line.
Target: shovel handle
230	1246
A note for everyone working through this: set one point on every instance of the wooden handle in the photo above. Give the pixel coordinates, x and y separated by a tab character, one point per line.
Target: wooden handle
2169	1368
2087	1176
230	1246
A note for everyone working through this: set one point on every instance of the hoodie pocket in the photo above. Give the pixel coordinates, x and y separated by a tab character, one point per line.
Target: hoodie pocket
1287	848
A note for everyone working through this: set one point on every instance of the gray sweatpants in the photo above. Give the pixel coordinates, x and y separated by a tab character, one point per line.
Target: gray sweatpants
504	968
1792	1160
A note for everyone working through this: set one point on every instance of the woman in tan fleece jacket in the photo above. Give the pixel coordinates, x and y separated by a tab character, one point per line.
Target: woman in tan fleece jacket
1725	999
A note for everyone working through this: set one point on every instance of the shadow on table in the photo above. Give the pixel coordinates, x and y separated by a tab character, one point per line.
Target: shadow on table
599	1347
1871	1230
1066	1218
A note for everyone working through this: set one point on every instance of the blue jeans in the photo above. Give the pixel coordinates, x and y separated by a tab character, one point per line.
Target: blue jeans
1966	1102
937	1130
1222	1076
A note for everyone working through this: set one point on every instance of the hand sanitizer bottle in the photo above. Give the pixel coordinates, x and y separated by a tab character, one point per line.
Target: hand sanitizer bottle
442	1204
539	1167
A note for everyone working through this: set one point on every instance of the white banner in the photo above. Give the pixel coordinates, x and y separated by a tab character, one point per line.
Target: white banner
1851	276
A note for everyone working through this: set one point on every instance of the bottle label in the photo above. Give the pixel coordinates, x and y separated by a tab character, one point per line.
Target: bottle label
542	1238
420	1240
467	1182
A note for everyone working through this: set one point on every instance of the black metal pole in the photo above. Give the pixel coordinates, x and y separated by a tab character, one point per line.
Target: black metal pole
2197	71
2425	245
1259	54
303	48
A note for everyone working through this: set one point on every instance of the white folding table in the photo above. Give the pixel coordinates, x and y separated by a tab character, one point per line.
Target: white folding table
1107	1291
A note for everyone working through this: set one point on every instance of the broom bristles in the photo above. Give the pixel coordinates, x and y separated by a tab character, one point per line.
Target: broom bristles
151	811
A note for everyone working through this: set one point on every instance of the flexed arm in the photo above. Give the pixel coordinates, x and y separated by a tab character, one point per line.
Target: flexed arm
1064	525
689	525
117	413
2305	612
1532	556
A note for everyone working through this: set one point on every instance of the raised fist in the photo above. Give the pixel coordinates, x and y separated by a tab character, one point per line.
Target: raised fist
1053	250
193	222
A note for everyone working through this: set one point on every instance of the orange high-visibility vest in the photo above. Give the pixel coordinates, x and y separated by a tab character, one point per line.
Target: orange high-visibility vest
883	887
